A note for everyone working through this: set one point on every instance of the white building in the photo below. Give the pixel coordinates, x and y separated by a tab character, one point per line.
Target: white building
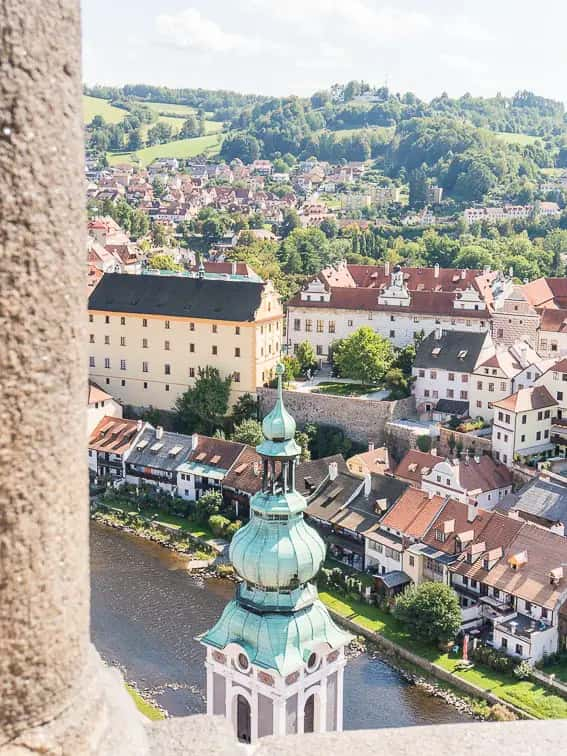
99	404
522	425
479	481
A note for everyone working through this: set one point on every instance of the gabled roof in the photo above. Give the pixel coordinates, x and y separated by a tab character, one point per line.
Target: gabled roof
178	296
452	521
415	464
164	453
413	513
246	472
457	351
114	435
545	499
376	460
483	474
361	514
553	320
215	452
96	394
524	400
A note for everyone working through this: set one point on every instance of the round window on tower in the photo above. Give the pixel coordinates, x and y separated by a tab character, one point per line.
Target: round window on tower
242	662
312	662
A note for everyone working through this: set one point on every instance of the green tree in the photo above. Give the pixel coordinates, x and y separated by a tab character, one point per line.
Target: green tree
189	129
292	368
290	222
248	432
205	404
364	355
208	505
418	187
164	262
302	440
135	141
245	408
430	611
305	355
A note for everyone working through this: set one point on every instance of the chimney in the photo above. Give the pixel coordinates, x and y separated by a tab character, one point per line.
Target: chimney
471	512
386	268
430	494
436	270
463	274
371	446
367	484
438	333
477	459
256	469
513	626
194	441
159	432
333	470
233	268
139	425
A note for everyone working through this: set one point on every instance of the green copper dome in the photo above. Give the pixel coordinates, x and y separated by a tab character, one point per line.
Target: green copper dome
282	642
277	554
279	427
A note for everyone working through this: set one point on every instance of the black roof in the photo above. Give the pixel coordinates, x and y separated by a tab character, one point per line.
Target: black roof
450	345
178	296
453	407
545	499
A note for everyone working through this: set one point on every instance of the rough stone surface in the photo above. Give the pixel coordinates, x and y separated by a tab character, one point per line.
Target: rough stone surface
362	420
200	734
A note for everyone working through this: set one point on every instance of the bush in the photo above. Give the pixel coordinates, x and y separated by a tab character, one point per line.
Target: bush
208	504
225	570
491	657
231	529
424	443
430	611
218	524
499	713
523	670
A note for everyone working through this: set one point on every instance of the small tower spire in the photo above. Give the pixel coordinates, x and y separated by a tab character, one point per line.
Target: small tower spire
275	658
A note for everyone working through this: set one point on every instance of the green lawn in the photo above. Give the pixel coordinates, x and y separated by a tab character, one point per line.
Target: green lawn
511	138
162	518
147	709
344	389
164	107
182	148
93	106
387	131
532	697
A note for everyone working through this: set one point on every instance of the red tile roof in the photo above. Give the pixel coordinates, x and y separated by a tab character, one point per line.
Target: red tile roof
246	472
414	463
554	320
524	400
114	435
413	513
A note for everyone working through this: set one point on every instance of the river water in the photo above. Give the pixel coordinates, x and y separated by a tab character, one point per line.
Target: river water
147	609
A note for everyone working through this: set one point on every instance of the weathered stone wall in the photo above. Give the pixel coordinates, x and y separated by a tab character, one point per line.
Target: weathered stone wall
362	420
479	444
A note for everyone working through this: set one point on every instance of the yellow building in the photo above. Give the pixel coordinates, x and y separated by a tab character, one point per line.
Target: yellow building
149	335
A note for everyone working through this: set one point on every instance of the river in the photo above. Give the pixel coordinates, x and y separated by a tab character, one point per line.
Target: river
147	609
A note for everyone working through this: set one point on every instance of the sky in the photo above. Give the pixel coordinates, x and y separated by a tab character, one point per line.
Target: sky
280	47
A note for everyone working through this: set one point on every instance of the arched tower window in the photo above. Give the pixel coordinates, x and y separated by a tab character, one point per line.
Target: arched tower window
309	714
243	720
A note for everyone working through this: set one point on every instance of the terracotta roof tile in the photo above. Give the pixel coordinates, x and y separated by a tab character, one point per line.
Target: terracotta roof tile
413	513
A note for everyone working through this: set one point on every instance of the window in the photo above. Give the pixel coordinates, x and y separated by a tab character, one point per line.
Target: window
191	326
107	363
464	395
543	345
191	347
546	433
478	404
504	643
411	561
144	322
191	372
144	367
474	584
490	387
122	364
237	351
107	380
320	325
122	321
450	394
421	373
451	376
297	324
215	329
435	394
107	339
502	385
544	613
236	377
123	382
465	580
524	419
308	325
519	649
464	378
107	319
523	438
426	393
496	593
538	436
433	375
560	396
144	343
392	334
319	349
331	326
507	418
167	369
349	323
167	386
145	384
91	338
540	415
479	385
123	341
553	346
167	324
528	606
547	414
91	362
91	318
237	331
214	350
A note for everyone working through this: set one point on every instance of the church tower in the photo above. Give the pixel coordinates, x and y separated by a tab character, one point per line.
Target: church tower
275	658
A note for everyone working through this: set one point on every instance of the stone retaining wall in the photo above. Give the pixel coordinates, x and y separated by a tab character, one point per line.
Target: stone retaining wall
479	444
362	420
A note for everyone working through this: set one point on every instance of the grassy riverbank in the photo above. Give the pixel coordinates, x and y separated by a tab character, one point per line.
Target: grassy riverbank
527	695
145	707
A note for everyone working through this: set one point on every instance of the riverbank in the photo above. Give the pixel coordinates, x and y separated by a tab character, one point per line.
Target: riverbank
527	698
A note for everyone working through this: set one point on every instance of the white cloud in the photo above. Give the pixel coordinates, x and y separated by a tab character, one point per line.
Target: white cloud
190	30
465	28
357	15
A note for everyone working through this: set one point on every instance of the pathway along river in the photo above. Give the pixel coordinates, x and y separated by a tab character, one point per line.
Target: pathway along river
147	609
